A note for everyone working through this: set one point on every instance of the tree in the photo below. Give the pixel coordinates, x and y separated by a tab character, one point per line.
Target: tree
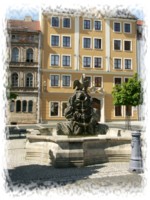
128	93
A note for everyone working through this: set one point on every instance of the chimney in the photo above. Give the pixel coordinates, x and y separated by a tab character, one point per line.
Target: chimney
28	18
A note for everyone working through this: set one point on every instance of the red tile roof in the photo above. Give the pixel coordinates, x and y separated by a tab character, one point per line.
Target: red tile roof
24	25
140	22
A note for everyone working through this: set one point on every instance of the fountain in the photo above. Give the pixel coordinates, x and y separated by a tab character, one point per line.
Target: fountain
82	117
81	140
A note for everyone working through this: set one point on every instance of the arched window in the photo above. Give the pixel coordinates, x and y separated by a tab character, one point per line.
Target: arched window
29	55
14	80
24	106
29	80
15	55
18	106
12	105
30	106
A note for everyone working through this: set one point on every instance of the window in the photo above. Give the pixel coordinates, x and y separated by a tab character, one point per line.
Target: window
97	62
87	42
127	45
87	24
117	27
89	78
97	25
97	43
127	28
128	110
64	106
29	55
54	80
24	106
117	44
118	111
18	106
66	23
14	80
54	60
66	41
127	63
126	80
54	109
55	40
12	106
117	81
66	61
15	55
117	63
65	80
98	81
87	62
29	80
30	106
55	22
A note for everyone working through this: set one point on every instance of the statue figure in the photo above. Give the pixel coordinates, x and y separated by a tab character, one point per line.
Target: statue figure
82	117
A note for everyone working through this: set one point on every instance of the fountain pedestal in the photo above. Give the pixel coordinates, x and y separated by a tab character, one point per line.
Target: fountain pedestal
66	151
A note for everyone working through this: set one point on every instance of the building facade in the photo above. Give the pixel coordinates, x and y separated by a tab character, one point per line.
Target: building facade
23	73
103	48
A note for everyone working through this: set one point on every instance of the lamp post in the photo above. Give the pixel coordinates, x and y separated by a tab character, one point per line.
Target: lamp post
136	164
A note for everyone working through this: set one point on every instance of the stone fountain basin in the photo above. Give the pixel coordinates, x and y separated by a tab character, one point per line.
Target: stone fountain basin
68	151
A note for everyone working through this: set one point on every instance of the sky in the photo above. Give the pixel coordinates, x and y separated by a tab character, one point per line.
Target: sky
19	10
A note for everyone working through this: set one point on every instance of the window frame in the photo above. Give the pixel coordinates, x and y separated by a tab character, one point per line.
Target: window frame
115	78
84	56
94	62
118	58
83	39
101	46
69	36
58	22
12	85
32	81
58	60
63	22
55	35
131	63
121	111
58	80
130	27
67	75
114	44
30	106
86	19
15	58
101	81
96	20
130	45
62	108
30	56
51	109
67	55
114	27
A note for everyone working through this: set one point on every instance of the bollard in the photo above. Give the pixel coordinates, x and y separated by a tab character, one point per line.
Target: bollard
136	164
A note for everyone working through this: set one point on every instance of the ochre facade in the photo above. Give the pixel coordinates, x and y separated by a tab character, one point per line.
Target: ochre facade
110	41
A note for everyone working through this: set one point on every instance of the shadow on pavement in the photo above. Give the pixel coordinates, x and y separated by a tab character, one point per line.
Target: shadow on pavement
38	174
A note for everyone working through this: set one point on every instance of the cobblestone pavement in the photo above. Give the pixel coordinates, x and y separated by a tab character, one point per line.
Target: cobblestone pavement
30	176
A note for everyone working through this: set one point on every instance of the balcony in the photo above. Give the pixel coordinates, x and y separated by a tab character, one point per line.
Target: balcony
23	64
24	40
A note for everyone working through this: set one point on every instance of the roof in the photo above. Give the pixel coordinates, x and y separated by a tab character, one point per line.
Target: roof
140	22
23	25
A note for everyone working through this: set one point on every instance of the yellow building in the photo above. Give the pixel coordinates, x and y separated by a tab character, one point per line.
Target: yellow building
102	48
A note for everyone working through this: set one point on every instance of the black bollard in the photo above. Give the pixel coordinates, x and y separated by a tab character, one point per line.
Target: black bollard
136	164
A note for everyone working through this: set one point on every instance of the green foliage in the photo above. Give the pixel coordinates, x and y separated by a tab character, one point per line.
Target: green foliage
129	93
12	95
